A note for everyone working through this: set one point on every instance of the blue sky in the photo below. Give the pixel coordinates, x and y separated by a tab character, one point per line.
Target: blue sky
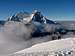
52	9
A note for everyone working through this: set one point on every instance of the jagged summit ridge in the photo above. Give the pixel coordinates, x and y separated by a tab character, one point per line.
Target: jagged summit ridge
26	17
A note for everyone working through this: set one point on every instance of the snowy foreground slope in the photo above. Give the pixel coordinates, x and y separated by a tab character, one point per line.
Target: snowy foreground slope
63	47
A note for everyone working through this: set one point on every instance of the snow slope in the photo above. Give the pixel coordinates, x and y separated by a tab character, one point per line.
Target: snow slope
64	45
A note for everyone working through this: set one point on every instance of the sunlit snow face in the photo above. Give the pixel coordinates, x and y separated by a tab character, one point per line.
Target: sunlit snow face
28	19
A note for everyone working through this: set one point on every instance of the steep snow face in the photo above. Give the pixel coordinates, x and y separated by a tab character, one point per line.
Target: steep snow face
38	17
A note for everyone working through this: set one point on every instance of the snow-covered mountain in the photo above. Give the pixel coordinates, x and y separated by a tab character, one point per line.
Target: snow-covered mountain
43	25
26	17
39	21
